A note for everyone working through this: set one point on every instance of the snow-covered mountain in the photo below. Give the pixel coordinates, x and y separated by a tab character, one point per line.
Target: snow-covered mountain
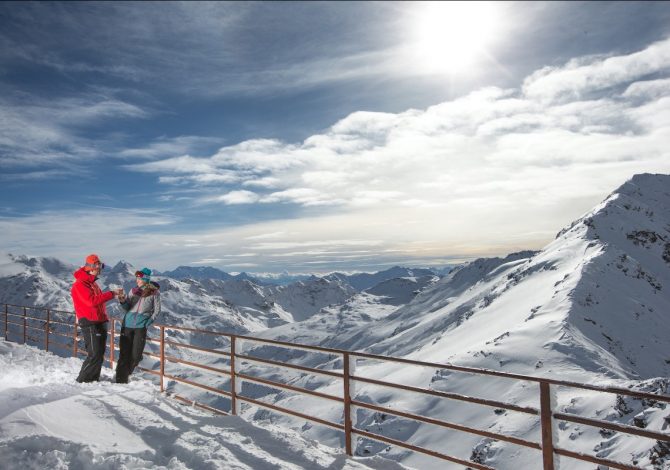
208	272
305	298
363	281
592	306
197	273
35	281
402	290
235	304
359	281
595	300
280	279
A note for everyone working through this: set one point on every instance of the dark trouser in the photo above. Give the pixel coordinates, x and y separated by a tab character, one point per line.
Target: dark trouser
95	339
131	345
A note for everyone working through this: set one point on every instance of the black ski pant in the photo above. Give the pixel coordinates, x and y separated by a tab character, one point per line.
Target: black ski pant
131	345
95	339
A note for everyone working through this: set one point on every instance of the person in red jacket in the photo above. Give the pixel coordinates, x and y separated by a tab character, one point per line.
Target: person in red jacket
89	307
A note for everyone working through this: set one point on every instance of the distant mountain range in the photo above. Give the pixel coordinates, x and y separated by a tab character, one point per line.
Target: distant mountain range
359	281
201	296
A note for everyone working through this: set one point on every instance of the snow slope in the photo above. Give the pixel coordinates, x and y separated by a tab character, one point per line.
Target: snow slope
593	301
305	298
363	281
592	306
47	420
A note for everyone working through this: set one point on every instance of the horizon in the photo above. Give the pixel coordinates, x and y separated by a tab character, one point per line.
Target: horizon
321	137
261	274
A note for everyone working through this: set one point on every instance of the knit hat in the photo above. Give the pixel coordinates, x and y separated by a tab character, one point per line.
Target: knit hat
93	261
144	274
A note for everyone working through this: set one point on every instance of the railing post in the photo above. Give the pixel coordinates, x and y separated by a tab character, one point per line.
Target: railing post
6	322
74	345
546	423
111	345
46	332
162	357
25	324
347	404
233	392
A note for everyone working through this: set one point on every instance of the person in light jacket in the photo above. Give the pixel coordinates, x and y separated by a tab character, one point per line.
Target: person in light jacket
141	307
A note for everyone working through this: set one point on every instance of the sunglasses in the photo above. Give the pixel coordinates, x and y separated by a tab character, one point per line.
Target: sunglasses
140	274
99	266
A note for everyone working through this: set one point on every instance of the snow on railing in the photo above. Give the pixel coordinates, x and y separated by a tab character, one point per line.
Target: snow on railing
53	322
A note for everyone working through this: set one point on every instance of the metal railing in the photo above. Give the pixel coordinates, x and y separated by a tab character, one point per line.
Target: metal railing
545	412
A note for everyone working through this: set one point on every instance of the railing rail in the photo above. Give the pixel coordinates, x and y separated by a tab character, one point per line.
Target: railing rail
547	414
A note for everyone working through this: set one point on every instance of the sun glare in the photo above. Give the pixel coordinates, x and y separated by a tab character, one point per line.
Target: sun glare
451	36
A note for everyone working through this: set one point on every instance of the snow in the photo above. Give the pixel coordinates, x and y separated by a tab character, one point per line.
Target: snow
47	420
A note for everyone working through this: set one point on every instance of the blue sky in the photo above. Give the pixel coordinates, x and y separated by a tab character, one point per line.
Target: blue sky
319	136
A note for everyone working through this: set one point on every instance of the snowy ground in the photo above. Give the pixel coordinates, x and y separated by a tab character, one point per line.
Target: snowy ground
47	420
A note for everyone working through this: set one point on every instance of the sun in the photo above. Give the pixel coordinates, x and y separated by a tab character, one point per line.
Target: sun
451	36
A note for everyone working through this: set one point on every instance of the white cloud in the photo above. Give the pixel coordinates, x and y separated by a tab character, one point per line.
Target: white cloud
220	177
489	135
182	164
38	133
304	196
70	234
648	89
239	197
269	182
589	74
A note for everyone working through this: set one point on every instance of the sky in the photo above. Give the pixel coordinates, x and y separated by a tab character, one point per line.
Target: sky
321	136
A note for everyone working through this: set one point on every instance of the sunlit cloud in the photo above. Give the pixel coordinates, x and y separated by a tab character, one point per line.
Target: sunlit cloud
581	76
239	197
304	244
504	158
303	196
369	158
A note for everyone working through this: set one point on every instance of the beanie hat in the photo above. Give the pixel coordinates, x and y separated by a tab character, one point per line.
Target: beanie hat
93	261
144	274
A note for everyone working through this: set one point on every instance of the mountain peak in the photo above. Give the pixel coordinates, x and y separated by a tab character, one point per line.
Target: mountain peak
643	200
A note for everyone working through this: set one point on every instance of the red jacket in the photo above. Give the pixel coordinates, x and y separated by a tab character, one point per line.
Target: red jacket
89	300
